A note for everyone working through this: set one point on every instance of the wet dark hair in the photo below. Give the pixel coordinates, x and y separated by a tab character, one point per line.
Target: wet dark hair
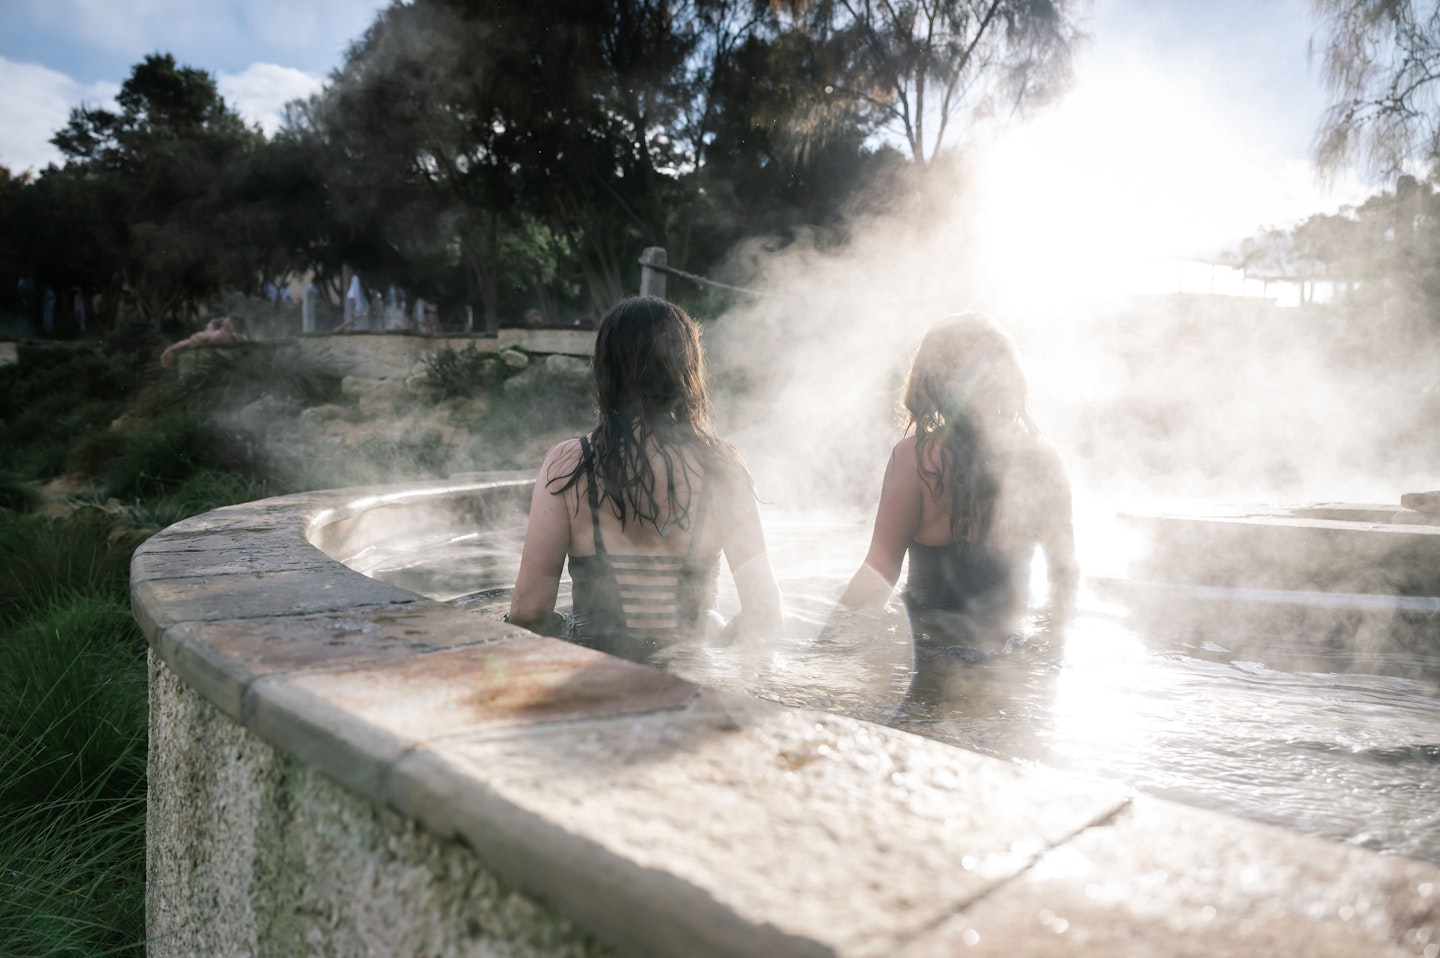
650	389
967	399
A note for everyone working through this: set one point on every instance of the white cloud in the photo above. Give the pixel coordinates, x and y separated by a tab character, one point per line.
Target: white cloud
36	103
214	35
259	93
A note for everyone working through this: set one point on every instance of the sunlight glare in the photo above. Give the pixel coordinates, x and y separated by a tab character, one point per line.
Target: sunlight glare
1096	704
1119	187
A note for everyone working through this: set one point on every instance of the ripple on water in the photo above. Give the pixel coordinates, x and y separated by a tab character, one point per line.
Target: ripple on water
1297	733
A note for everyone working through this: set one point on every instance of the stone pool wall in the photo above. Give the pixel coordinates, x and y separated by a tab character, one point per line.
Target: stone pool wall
340	766
397	355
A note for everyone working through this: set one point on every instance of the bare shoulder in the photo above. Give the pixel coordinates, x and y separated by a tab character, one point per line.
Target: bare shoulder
905	459
905	450
562	459
1044	469
727	470
1047	459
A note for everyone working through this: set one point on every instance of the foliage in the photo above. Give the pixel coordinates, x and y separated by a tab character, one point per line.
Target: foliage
461	372
150	206
1381	61
918	66
512	156
56	375
47	558
73	741
241	373
204	490
160	454
520	425
55	393
1384	253
17	495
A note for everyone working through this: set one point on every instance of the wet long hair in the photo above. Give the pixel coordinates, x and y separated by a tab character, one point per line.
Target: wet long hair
650	390
968	402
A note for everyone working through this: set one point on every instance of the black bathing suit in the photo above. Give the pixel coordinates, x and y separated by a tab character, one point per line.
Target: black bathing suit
964	600
635	605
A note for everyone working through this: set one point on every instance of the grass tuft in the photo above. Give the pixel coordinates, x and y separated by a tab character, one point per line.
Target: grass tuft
73	742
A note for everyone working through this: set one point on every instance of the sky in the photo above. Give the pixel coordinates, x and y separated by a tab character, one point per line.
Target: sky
1190	123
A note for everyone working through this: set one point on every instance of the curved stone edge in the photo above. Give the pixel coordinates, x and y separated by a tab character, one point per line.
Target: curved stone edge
667	819
250	851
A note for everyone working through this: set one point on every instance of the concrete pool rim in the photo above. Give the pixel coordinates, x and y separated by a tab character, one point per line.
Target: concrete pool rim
665	818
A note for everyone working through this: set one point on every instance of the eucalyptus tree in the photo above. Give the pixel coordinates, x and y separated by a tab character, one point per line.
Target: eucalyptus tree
143	191
472	121
928	70
1381	61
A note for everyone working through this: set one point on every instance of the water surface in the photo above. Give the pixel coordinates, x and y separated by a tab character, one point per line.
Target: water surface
1288	731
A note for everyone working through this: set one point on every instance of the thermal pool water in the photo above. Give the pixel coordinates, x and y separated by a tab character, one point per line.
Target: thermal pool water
1325	743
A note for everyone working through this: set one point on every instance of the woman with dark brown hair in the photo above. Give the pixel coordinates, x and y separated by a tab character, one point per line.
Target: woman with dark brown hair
645	504
970	492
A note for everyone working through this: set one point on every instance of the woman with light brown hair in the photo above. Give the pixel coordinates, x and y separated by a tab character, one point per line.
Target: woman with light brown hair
970	492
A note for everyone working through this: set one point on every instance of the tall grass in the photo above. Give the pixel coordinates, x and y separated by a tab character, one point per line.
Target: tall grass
53	394
47	560
73	741
73	696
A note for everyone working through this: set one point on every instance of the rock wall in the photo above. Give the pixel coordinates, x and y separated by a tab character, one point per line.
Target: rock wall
251	852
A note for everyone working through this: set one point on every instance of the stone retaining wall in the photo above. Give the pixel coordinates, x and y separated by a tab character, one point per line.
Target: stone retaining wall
340	766
395	355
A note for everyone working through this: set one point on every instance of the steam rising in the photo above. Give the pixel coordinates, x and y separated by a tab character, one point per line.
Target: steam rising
1156	395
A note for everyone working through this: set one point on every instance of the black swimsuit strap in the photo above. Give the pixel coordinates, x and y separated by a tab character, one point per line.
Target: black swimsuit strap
593	493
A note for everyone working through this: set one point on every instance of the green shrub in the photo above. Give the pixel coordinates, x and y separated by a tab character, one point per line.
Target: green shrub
48	558
36	442
462	373
17	495
53	378
519	420
239	374
157	458
91	453
203	491
158	455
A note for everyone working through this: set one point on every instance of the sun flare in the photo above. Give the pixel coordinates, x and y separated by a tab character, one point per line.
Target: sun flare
1120	187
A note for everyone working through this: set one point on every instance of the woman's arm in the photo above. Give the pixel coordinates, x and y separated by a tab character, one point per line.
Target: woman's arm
896	521
547	543
762	612
1057	540
761	609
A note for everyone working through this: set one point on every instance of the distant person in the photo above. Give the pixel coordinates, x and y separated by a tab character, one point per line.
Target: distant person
357	306
47	311
77	307
645	504
223	330
307	307
969	495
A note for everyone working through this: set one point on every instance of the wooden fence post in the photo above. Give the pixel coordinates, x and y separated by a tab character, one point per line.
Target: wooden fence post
652	280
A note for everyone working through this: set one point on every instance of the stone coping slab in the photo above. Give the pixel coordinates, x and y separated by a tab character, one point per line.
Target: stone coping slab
668	819
1326	547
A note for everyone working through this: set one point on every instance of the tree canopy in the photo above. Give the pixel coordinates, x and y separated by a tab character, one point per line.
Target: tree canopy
1381	61
512	156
